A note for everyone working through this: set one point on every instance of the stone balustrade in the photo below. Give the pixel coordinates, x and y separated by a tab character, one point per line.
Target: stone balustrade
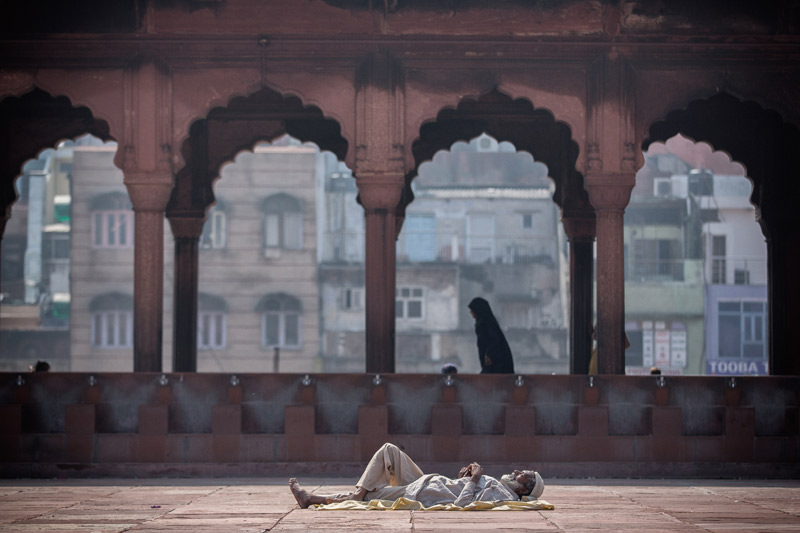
149	424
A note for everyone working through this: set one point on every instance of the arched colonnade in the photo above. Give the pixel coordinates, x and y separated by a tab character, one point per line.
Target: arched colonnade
587	119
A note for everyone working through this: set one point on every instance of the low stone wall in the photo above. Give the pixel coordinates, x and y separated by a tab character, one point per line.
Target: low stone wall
69	424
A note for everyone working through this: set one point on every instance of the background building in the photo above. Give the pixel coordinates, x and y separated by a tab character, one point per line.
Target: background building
695	266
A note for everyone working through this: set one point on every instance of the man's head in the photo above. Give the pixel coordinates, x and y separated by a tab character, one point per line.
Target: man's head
525	483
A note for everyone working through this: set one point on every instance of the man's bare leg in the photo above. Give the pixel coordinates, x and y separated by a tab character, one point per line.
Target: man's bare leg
303	497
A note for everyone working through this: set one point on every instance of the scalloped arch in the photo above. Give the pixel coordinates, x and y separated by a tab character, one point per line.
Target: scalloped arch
35	121
246	120
225	99
518	121
756	137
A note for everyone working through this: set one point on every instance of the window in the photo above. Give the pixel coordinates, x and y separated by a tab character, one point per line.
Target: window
215	229
112	221
527	221
718	266
409	303
480	238
280	321
419	232
283	222
55	246
112	321
741	276
656	259
112	229
211	322
742	330
210	330
351	299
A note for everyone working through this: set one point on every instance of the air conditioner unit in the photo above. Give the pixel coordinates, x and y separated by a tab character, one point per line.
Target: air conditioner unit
662	187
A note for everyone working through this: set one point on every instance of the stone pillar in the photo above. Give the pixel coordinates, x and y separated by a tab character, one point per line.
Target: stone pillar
149	195
187	230
380	177
581	233
380	195
609	194
783	287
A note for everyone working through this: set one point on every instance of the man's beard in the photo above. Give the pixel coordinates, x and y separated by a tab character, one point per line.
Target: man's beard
511	481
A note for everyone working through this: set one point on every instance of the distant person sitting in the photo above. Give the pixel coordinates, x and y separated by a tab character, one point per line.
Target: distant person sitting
449	368
494	353
655	371
40	366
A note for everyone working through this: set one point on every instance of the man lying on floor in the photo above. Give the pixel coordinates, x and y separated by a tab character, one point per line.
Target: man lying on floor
391	474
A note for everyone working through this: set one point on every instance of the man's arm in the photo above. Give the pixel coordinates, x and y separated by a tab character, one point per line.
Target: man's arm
465	472
468	492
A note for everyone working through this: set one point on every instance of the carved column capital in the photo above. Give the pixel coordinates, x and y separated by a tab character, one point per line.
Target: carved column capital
149	191
580	228
187	225
380	190
609	192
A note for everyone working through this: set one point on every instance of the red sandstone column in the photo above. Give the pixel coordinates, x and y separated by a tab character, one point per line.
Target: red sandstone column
186	230
609	194
580	232
149	195
380	194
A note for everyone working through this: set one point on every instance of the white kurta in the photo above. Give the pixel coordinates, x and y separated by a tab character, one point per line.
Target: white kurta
391	474
433	489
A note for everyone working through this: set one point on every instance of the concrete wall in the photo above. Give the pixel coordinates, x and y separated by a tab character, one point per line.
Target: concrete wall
270	424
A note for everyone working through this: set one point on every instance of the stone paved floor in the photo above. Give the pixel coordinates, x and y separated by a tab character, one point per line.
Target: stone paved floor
267	505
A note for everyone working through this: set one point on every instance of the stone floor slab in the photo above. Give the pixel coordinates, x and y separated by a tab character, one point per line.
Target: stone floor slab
267	505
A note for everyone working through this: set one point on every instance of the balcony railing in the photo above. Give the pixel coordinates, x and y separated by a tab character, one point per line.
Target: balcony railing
419	247
719	271
452	248
654	271
738	270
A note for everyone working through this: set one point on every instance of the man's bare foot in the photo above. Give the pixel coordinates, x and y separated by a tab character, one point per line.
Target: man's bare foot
303	497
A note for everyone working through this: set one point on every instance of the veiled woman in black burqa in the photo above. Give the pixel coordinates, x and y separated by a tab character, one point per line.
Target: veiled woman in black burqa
493	350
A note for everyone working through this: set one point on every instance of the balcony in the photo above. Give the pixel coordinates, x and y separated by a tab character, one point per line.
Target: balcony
453	248
424	247
738	270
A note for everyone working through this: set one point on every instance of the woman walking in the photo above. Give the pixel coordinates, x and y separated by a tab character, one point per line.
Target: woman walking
493	350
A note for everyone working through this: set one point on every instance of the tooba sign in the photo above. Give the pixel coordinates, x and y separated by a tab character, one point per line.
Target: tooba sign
737	368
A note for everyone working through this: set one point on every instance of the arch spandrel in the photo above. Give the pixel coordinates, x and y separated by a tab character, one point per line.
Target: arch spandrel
196	92
332	91
429	92
16	83
660	91
563	93
100	91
